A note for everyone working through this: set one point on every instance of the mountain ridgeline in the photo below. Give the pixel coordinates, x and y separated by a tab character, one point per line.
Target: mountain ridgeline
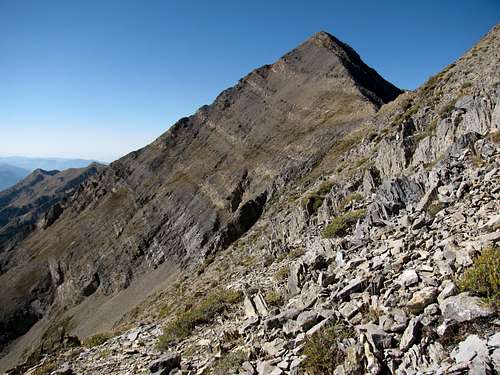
292	147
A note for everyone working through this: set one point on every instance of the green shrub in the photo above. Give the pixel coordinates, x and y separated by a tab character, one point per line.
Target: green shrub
45	368
229	362
434	208
184	324
281	274
483	277
247	261
97	339
341	224
273	298
323	351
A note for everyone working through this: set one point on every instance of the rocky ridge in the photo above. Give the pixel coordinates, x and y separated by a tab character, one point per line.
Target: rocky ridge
191	193
414	200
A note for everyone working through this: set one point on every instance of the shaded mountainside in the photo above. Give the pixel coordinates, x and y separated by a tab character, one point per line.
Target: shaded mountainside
10	175
297	183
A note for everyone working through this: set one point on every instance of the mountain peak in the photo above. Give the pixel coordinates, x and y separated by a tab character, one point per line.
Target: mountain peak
327	40
322	37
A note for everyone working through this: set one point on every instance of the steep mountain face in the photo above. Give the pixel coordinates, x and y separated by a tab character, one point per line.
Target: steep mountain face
202	184
303	193
10	175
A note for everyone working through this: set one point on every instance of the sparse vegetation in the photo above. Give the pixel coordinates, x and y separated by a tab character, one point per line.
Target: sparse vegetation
281	274
248	261
434	208
273	298
483	277
183	325
45	368
447	109
353	197
495	136
341	224
207	262
314	200
296	253
229	362
407	114
97	339
323	351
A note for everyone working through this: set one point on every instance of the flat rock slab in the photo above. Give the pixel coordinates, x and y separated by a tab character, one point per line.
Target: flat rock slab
464	307
468	349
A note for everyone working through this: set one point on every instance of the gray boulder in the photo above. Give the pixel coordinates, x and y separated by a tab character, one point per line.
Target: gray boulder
464	307
165	364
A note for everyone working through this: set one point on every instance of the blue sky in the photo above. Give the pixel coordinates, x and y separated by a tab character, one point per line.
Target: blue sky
97	79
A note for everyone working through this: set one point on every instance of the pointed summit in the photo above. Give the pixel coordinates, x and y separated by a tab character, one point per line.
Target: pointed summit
367	80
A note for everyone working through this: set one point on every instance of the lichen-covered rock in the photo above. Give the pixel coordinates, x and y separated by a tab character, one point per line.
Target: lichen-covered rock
464	307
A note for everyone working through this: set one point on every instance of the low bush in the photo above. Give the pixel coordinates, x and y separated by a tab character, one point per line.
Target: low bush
97	339
483	277
322	350
184	324
229	363
281	274
435	207
341	224
45	368
273	298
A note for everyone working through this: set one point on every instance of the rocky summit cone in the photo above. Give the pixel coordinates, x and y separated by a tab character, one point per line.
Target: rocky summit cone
313	206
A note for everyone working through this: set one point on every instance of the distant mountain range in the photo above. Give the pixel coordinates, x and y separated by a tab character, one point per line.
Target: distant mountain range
14	168
10	175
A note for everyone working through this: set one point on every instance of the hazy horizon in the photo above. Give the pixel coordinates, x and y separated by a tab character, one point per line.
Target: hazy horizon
97	81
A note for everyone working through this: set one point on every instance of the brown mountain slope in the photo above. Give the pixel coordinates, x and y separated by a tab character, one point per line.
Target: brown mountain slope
199	186
37	200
